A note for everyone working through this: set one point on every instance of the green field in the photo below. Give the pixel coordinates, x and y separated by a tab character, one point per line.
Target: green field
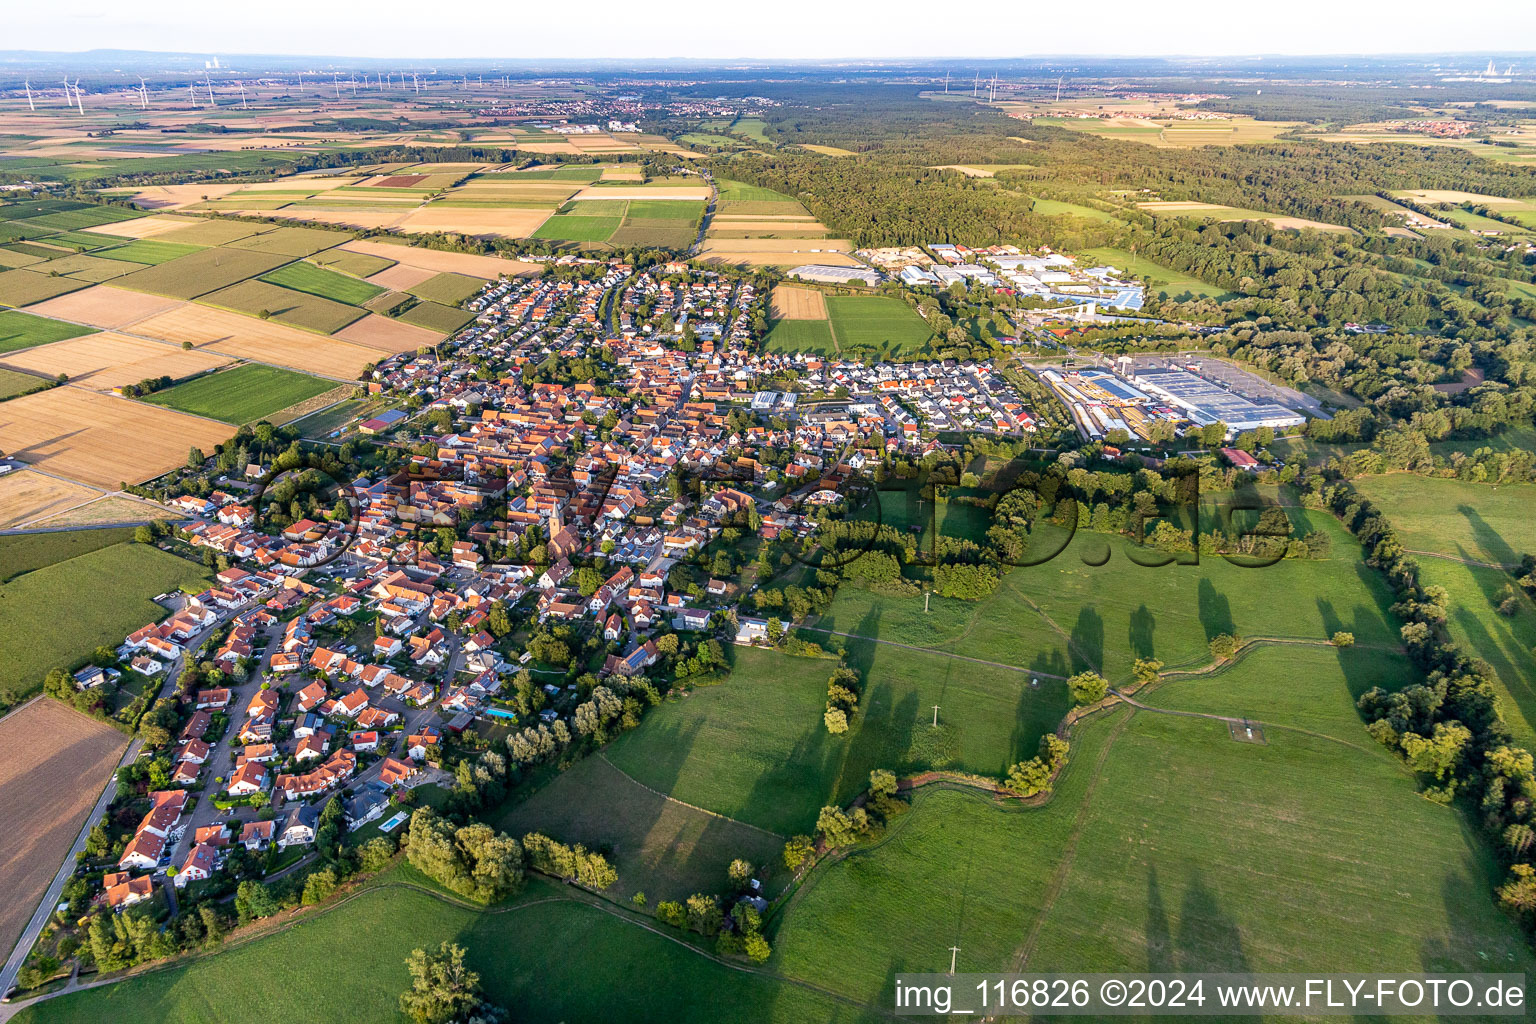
201	272
24	552
56	615
23	287
436	317
576	172
739	192
358	264
657	232
660	847
522	952
14	383
23	330
1169	283
326	284
1482	522
1057	208
751	127
151	251
576	228
448	289
242	394
753	748
321	424
286	306
666	209
84	216
876	322
293	242
800	336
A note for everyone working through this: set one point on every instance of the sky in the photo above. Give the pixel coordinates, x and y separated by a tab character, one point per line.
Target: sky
803	29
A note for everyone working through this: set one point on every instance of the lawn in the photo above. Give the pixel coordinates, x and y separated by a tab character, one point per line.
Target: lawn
1483	522
242	394
448	289
23	330
576	228
327	284
801	336
150	251
876	322
1167	282
753	747
55	616
660	847
523	953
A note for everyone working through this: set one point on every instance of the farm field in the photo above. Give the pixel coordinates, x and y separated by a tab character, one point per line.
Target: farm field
576	227
24	330
108	594
44	798
437	318
800	336
13	383
103	307
107	510
79	434
23	287
450	289
26	496
247	337
404	334
147	251
23	552
487	267
297	309
663	848
202	272
109	360
1213	211
520	950
242	394
1057	208
792	303
327	284
876	322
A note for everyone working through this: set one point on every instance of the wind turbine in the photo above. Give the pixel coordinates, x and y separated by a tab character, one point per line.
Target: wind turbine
143	94
301	80
30	105
192	93
67	101
946	83
992	96
416	82
336	83
976	85
354	86
78	103
1063	78
242	95
211	101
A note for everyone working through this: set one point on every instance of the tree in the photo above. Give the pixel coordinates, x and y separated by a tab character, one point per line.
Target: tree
1146	669
1343	639
195	457
797	851
1224	645
319	886
704	914
1088	687
757	949
143	535
254	901
837	721
836	827
442	989
740	873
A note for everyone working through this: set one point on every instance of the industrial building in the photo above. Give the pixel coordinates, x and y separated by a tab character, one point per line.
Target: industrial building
824	274
1206	402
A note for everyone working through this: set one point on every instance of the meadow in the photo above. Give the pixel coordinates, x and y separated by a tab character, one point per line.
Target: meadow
1168	283
66	609
241	394
1483	522
521	951
801	336
570	227
1058	208
449	289
876	322
148	251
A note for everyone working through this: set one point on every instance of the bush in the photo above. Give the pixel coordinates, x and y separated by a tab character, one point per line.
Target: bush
1343	639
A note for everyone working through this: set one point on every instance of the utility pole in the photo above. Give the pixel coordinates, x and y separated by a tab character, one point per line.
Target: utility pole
953	952
936	725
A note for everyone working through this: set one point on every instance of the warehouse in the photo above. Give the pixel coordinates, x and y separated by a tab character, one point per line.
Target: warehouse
1206	402
823	274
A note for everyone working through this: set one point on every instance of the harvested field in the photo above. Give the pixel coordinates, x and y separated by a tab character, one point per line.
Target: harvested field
100	440
26	496
401	278
174	197
791	303
23	287
509	223
260	340
488	267
299	309
810	247
366	217
108	360
202	272
110	509
729	251
386	335
104	306
146	227
661	192
45	795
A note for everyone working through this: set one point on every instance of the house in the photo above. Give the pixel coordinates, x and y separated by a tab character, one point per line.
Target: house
185	773
256	835
310	696
393	772
249	778
92	676
353	703
417	747
386	647
195	751
311	747
125	891
299	827
198	866
377	718
212	699
143	852
613	627
692	618
368	801
364	741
